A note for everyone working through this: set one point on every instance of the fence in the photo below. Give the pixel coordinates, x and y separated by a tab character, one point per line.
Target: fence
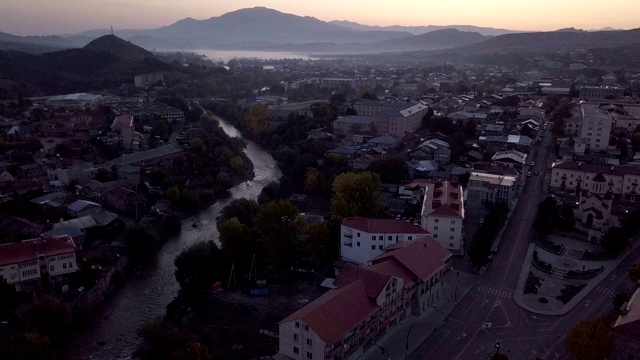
86	301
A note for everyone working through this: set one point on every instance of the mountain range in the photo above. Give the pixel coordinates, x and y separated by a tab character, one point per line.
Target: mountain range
266	29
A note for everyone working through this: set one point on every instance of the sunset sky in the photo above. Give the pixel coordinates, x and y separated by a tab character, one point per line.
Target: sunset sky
42	17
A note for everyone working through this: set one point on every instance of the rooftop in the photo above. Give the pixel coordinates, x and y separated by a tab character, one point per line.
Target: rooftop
13	253
382	226
443	199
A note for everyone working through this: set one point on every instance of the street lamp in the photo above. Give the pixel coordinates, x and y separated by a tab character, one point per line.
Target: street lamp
497	349
406	348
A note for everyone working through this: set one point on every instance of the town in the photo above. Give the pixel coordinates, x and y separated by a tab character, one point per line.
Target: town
356	207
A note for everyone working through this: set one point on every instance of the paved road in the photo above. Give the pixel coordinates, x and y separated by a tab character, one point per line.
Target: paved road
488	313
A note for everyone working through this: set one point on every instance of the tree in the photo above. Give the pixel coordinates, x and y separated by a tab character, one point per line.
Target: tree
356	194
160	340
590	339
199	267
464	179
390	170
191	351
142	241
279	225
237	164
616	239
257	119
103	175
29	346
242	209
547	217
161	129
7	295
197	145
236	240
53	319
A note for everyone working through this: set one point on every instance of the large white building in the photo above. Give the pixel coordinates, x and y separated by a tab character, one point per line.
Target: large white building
602	92
396	119
490	188
595	129
362	239
621	180
405	280
27	263
594	208
443	214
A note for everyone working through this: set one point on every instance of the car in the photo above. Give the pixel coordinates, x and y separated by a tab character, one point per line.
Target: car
529	174
533	163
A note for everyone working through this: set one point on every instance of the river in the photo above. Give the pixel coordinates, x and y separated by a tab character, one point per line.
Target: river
145	296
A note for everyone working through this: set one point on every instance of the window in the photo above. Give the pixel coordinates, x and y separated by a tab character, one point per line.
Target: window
435	228
410	237
64	265
436	220
389	238
358	234
309	355
373	247
451	237
306	328
453	221
453	229
358	243
450	244
51	268
295	337
70	265
297	325
309	342
296	350
435	236
379	247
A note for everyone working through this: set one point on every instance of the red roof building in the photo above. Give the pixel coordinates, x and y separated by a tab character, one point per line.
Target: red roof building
403	280
443	213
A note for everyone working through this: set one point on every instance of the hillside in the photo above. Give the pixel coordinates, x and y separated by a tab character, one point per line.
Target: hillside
553	41
418	30
440	39
119	47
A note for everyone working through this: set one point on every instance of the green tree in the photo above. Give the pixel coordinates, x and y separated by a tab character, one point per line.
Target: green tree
634	273
197	145
191	351
53	319
356	194
236	240
257	119
103	175
199	267
30	346
237	164
615	239
390	170
160	340
280	226
173	194
7	296
142	241
242	209
161	129
547	217
590	339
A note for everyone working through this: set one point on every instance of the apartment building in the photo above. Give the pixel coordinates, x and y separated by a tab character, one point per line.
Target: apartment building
404	280
621	180
490	188
363	239
443	214
396	119
353	124
595	129
30	263
601	92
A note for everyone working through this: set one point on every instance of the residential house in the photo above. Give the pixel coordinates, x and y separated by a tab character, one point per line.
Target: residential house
30	263
510	158
442	214
83	207
152	157
362	239
125	200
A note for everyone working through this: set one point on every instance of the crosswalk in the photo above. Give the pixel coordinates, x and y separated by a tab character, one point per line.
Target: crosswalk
507	294
606	291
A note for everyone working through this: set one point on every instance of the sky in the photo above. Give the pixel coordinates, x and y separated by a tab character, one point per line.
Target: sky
45	17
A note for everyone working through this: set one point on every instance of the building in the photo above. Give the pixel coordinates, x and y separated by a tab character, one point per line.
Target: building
353	124
595	129
30	263
594	208
148	80
74	100
397	119
518	142
149	157
362	239
492	188
123	126
621	180
511	158
443	214
81	208
406	279
601	92
626	331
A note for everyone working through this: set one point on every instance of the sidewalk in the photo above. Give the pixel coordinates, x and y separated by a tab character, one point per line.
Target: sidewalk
395	342
550	308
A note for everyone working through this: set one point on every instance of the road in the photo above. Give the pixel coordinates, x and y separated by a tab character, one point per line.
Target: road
488	313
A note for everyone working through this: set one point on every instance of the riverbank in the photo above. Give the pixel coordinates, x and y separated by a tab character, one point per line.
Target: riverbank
145	296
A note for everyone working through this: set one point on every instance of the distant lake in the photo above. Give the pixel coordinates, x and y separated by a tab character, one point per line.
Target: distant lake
226	55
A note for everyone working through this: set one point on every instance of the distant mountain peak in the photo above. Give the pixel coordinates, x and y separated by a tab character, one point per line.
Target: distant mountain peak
119	47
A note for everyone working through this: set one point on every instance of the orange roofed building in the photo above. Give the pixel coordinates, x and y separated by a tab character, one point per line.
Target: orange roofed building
405	279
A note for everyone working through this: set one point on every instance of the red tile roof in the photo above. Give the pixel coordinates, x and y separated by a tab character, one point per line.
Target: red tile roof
422	258
443	199
336	312
374	282
383	226
26	250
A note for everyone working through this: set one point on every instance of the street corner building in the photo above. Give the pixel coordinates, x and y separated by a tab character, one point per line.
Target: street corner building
404	280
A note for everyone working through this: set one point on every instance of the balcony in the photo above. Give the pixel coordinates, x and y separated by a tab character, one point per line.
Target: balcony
348	236
347	244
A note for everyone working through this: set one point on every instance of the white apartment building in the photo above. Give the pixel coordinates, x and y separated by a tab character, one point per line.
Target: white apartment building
601	92
396	119
363	239
443	214
595	128
623	181
27	263
492	188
